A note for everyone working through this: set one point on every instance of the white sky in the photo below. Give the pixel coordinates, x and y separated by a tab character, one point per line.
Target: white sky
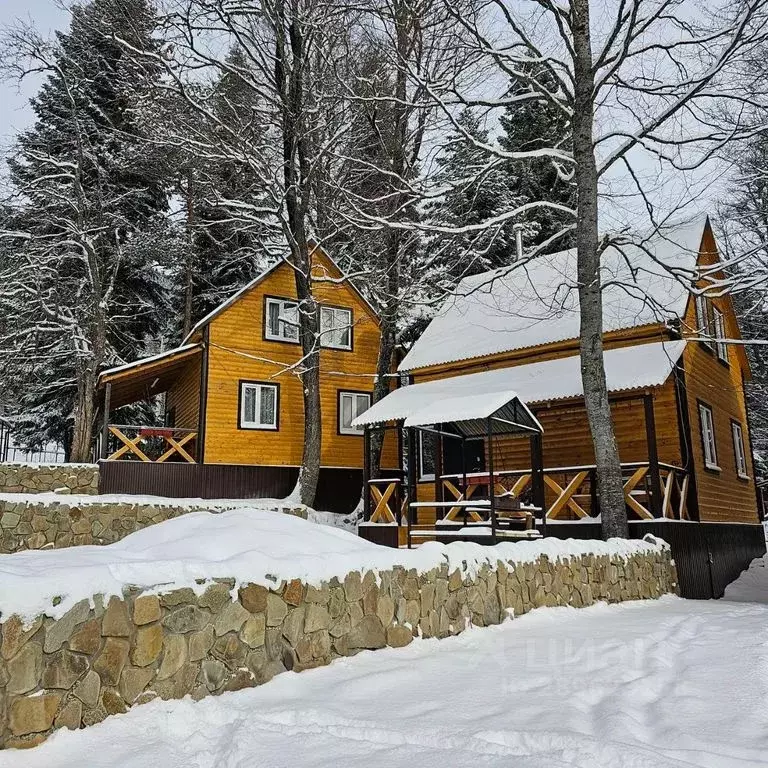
672	191
47	15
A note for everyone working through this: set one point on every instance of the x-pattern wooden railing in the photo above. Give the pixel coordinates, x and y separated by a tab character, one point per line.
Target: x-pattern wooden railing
175	442
567	486
387	496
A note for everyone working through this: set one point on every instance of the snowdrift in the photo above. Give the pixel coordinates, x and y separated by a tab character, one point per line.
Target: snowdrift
752	585
250	545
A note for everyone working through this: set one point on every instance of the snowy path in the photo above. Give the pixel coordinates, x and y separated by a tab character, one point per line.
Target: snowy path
667	683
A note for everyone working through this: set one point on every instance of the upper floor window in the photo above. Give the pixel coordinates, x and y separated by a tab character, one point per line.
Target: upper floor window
703	321
720	334
738	450
351	405
707	424
259	405
336	327
282	320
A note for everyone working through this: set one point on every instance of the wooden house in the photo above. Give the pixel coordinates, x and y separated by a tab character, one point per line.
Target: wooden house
234	414
675	374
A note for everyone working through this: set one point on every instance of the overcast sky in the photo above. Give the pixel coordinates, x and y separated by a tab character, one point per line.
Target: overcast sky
47	15
701	188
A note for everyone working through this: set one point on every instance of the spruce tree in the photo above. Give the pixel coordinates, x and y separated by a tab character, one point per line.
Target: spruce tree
530	124
84	285
476	191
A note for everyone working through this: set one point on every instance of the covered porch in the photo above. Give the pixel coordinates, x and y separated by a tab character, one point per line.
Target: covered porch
174	436
466	505
469	469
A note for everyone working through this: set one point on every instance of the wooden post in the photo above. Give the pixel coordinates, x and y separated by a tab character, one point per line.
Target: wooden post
202	413
105	421
653	457
437	460
410	439
366	473
537	479
491	483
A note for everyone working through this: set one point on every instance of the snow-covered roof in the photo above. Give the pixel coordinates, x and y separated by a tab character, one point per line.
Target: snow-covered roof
626	368
149	360
536	302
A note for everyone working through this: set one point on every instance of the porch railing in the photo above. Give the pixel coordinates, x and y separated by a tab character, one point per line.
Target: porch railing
150	444
570	493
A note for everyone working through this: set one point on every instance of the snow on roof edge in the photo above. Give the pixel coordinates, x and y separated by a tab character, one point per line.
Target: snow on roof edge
148	360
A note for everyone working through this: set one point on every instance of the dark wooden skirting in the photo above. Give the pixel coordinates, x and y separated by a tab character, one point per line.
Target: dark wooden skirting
338	490
385	535
709	556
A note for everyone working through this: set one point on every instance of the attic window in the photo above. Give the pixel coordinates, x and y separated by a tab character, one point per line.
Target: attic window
336	328
703	321
281	321
720	334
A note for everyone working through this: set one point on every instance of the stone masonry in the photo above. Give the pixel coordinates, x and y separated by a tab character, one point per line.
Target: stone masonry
96	661
47	524
46	478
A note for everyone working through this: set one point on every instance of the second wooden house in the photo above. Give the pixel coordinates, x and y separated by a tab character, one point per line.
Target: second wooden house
509	339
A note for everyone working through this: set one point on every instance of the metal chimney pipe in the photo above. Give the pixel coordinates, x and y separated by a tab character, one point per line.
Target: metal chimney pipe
518	230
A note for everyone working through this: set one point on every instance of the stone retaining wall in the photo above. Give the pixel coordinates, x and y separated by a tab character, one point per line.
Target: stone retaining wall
28	524
97	661
45	478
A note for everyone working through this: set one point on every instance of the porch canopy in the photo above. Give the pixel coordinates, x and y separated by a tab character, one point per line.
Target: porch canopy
473	414
626	368
449	409
148	377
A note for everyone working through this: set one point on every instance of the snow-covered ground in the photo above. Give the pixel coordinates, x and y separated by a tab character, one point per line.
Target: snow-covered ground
664	684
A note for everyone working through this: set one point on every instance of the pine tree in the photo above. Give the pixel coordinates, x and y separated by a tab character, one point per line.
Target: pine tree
530	124
477	191
84	285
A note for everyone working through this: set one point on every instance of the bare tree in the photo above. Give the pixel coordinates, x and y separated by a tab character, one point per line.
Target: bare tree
278	124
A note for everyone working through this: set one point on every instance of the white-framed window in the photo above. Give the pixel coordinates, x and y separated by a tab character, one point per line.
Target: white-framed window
707	424
351	405
336	327
719	323
281	321
738	450
703	323
259	405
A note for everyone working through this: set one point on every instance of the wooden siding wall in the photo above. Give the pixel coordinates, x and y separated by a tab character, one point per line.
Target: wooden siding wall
567	440
723	495
238	351
184	395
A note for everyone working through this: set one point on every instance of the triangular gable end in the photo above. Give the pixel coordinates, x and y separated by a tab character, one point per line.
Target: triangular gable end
709	254
317	252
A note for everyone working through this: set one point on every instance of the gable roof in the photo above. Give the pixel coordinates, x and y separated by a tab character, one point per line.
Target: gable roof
235	297
536	302
626	368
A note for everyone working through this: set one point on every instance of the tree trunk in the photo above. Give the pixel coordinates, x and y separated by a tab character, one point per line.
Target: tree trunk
309	473
387	343
610	483
290	71
189	260
82	427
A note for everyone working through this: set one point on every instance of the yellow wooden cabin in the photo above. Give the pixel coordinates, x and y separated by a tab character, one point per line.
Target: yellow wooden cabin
675	374
234	414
